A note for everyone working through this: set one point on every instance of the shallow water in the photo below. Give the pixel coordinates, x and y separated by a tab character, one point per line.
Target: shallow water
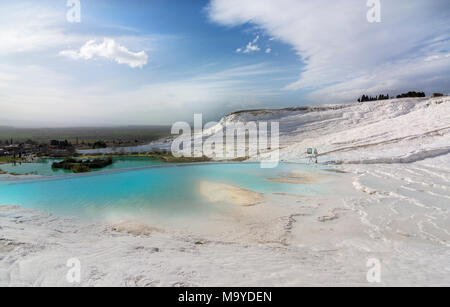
169	191
44	166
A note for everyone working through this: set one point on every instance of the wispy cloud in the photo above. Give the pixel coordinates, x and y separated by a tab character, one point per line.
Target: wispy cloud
31	29
437	57
52	98
250	47
108	49
339	47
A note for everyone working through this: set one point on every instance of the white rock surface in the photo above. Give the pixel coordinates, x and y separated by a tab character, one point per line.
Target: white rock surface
392	205
386	131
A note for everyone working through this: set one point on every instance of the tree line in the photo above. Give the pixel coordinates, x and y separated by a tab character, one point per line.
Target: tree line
411	94
370	98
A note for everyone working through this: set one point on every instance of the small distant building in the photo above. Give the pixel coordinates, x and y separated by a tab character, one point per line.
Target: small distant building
13	150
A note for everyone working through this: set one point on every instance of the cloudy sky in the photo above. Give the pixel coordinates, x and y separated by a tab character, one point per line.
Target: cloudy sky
159	61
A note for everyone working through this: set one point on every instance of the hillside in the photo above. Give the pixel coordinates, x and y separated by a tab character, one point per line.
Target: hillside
387	131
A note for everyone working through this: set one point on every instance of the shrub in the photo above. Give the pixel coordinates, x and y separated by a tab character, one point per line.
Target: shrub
80	168
412	95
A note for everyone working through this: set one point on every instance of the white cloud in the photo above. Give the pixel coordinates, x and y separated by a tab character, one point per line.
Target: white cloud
109	49
390	78
268	50
34	28
437	57
338	46
30	29
250	47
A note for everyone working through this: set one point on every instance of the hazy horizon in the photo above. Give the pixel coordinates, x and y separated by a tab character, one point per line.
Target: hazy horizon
112	63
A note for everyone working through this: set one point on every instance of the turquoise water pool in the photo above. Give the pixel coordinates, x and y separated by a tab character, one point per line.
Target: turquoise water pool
44	166
169	190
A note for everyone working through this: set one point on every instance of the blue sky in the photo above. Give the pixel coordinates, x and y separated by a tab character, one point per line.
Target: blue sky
159	61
